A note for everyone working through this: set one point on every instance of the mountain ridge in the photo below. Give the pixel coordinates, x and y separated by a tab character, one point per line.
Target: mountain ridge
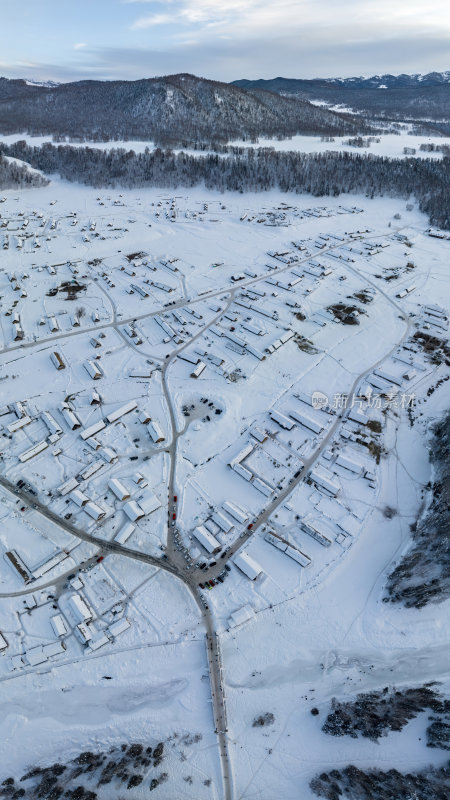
168	109
403	80
420	98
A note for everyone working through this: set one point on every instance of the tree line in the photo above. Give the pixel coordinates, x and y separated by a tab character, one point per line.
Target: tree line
250	170
423	574
18	176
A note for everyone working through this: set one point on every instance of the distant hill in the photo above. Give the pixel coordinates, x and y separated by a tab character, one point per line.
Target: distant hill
416	97
375	82
168	110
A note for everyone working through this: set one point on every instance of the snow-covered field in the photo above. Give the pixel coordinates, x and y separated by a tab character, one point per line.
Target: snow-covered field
193	331
390	144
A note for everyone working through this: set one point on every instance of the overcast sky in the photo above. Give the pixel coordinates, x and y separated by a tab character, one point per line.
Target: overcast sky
223	39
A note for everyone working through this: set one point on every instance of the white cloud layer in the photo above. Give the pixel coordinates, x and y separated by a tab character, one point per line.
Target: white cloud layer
225	39
263	16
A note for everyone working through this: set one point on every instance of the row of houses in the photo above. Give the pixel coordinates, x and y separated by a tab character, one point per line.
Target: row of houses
238	466
305	417
134	508
85	628
82	624
434	318
37	656
29	573
24	417
219	523
289	550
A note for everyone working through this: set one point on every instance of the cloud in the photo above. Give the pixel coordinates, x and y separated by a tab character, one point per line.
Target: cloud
229	39
226	13
150	22
264	19
229	59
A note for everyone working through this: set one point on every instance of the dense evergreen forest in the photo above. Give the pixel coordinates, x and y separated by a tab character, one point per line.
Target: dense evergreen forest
168	110
356	784
17	176
422	98
423	574
122	767
373	715
319	174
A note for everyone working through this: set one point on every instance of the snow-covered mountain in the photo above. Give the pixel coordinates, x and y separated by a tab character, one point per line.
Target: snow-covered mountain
169	110
392	81
374	82
399	97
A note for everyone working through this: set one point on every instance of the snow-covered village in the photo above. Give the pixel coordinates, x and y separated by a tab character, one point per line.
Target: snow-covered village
224	400
212	434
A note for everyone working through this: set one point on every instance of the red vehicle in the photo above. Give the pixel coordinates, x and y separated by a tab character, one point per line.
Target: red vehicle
249	527
175	498
174	516
100	558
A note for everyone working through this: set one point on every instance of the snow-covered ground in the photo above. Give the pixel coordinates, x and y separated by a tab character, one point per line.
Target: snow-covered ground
389	144
246	286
